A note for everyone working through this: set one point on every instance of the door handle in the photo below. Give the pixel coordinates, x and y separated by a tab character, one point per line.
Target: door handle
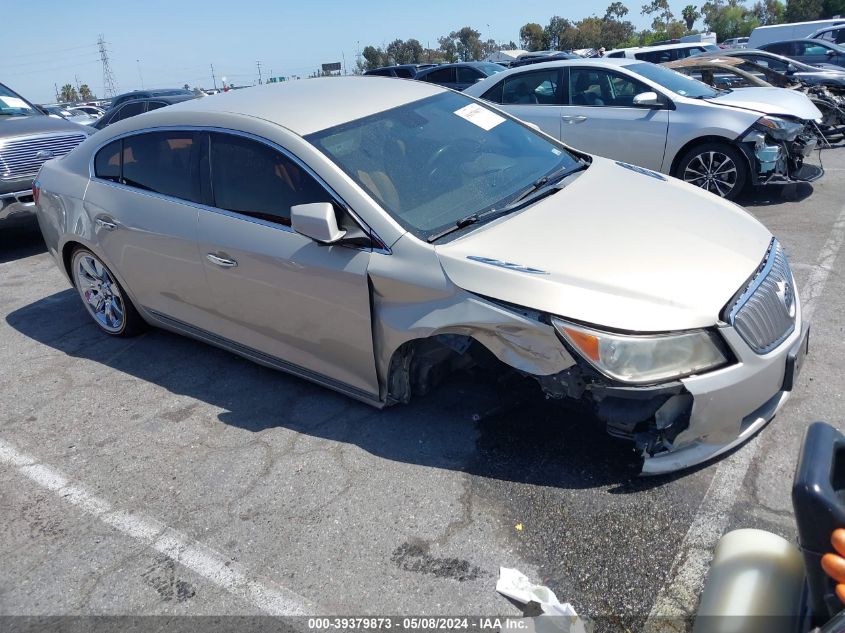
221	261
106	224
571	118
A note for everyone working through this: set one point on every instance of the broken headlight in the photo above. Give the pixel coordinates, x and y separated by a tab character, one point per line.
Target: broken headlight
779	129
644	359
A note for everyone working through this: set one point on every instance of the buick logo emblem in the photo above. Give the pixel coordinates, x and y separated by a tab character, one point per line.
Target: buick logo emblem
786	296
44	154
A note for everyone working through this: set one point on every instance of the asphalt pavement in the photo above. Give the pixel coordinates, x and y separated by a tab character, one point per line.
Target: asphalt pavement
159	475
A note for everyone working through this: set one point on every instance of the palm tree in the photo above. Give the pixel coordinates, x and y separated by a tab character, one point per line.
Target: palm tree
85	93
690	15
68	94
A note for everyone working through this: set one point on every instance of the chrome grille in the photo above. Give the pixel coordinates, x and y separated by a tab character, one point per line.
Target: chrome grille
23	156
764	315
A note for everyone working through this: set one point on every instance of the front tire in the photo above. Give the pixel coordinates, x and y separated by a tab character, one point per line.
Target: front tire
714	167
103	298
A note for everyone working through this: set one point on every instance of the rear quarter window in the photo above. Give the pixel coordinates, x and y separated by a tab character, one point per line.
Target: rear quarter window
161	162
107	162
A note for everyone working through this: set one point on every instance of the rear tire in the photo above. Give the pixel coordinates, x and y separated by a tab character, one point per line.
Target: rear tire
714	167
103	297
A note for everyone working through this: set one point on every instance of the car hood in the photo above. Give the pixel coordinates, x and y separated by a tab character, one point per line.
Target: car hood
615	248
37	124
774	101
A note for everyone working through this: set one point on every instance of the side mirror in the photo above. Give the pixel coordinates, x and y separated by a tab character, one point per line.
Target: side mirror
647	100
830	53
316	220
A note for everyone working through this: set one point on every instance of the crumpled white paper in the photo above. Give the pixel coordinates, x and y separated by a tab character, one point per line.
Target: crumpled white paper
515	585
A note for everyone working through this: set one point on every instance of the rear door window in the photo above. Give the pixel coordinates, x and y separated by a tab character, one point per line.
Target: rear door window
253	179
780	48
130	109
540	88
155	105
467	75
440	76
161	162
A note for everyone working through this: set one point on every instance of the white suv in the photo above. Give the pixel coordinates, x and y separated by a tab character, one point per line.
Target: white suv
663	53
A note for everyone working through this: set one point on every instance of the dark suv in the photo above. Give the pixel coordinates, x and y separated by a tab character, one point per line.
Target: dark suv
813	52
28	137
146	94
458	76
403	71
134	107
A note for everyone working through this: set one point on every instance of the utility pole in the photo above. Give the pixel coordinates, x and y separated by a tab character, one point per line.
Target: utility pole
259	72
56	86
213	78
140	76
109	84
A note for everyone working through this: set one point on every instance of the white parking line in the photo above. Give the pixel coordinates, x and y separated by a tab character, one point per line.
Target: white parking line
180	548
680	593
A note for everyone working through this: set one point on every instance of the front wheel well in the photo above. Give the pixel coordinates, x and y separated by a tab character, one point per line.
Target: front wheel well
701	140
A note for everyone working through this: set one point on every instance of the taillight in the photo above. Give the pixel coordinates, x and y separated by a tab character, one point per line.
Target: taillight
36	191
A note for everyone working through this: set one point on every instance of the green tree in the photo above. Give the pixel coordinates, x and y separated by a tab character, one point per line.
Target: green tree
85	93
555	30
448	49
769	11
405	51
68	94
531	37
374	57
833	7
690	15
616	11
467	43
803	10
662	13
729	19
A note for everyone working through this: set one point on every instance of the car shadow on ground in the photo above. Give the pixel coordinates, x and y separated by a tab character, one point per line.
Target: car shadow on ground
775	194
20	241
467	424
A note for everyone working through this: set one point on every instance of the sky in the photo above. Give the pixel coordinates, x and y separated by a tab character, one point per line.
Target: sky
167	43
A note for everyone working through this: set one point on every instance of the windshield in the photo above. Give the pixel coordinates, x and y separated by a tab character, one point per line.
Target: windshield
431	162
12	104
676	82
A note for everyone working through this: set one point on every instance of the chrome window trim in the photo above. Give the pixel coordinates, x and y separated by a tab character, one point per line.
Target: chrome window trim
271	144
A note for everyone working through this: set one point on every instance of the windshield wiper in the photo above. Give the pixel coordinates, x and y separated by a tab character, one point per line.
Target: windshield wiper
546	184
542	183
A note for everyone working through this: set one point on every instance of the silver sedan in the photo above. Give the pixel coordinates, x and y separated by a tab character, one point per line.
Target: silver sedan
631	110
374	235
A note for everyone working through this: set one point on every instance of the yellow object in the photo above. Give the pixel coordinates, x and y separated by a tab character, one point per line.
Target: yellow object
519	527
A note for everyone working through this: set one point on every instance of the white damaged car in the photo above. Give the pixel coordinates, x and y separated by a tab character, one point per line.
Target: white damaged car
373	235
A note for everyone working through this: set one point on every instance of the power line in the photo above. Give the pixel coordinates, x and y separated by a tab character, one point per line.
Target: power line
51	53
30	72
109	84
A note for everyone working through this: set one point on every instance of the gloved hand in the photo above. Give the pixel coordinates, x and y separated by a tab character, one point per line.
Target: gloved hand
834	564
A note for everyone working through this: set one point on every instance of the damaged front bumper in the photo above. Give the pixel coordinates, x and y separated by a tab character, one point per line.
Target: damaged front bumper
730	405
782	160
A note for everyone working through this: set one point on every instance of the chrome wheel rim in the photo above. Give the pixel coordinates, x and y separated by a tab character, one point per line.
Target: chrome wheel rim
714	171
100	293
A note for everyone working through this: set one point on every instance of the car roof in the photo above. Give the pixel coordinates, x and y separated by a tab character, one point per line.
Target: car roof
310	105
660	47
